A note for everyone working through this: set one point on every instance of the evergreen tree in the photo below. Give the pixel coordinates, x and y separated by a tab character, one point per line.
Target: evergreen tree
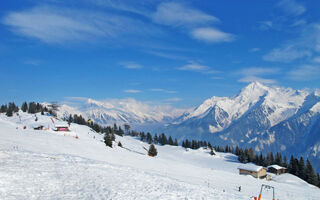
301	169
108	140
175	143
9	112
3	108
170	141
24	107
149	138
152	151
310	174
127	128
155	139
119	144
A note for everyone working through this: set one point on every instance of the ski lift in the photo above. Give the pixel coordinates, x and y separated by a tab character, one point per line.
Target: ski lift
267	187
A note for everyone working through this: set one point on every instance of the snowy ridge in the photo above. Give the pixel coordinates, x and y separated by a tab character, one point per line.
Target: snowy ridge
44	164
282	102
121	111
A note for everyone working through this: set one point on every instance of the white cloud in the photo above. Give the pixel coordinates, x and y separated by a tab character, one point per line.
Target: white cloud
33	62
175	99
175	14
299	22
291	7
316	59
286	54
211	35
254	74
265	25
194	67
305	73
306	45
132	91
255	71
58	24
249	79
255	49
162	90
131	65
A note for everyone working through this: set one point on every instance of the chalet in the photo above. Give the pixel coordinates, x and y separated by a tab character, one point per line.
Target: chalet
61	127
253	170
276	169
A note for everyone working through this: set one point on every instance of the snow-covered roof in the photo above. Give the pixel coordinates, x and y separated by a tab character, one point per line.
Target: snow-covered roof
250	167
61	125
277	167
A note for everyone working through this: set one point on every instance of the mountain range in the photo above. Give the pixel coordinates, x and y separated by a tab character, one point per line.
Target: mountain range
267	118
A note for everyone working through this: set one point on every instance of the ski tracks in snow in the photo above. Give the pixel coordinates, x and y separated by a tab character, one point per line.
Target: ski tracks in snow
28	175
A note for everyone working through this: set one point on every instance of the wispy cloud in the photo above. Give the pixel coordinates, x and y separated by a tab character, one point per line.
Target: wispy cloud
255	74
170	56
254	49
265	25
175	14
307	44
192	20
249	79
255	71
58	24
287	54
212	35
162	90
174	99
131	65
291	7
305	73
33	62
132	91
195	67
316	59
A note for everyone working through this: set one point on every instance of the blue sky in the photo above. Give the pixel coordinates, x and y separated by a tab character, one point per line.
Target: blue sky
165	52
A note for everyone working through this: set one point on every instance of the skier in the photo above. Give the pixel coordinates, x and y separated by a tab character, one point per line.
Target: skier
239	188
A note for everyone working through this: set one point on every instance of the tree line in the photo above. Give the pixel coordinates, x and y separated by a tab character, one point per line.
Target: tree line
30	107
295	166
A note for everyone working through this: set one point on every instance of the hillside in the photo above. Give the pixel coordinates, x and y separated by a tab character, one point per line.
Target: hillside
44	164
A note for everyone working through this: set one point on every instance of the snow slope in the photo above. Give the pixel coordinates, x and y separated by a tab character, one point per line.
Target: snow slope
49	165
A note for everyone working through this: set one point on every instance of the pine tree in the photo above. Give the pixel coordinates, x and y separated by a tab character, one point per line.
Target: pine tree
149	138
24	107
119	144
108	140
3	108
152	151
9	112
175	143
301	169
310	174
170	141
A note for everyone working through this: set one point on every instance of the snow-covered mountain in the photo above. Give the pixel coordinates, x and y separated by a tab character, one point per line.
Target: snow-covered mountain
265	118
120	111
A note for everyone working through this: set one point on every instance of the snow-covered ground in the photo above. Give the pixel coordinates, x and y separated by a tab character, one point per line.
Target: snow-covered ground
56	165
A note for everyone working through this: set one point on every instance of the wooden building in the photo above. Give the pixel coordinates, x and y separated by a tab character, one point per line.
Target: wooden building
276	169
253	170
61	127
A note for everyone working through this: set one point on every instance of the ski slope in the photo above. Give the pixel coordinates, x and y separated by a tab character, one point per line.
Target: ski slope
44	164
